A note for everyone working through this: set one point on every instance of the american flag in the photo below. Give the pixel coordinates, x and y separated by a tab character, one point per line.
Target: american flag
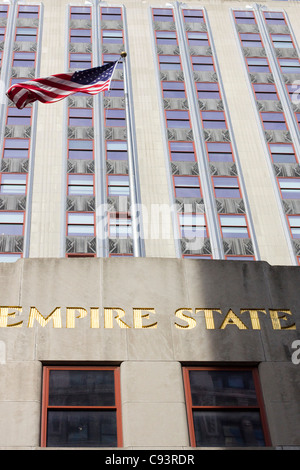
58	87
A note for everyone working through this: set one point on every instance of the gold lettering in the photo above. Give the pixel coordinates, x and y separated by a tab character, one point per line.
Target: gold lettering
95	317
138	317
35	315
274	314
108	317
232	319
4	315
254	317
209	317
71	315
191	322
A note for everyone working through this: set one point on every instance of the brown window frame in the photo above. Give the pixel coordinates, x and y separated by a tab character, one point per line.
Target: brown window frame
116	407
190	407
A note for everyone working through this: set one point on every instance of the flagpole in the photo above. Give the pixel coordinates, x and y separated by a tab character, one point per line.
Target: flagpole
131	167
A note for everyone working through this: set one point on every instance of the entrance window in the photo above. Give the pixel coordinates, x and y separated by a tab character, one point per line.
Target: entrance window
81	407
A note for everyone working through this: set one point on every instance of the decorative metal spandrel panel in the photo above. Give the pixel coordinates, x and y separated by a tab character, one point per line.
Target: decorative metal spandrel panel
112	48
27	22
14	165
80	48
12	203
188	204
254	52
112	24
286	53
167	49
291	206
205	76
269	105
210	105
200	50
238	246
118	204
261	77
216	135
180	134
230	206
11	244
164	26
17	132
117	167
184	168
120	246
287	169
223	169
278	136
115	133
200	246
277	28
80	203
22	46
81	24
81	133
247	28
116	102
24	72
175	103
81	245
171	76
195	27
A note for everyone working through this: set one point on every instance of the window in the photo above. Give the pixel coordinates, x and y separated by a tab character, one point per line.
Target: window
282	40
244	17
9	257
282	153
274	17
182	151
80	35
224	407
187	186
219	152
80	61
80	185
193	16
294	221
197	39
118	185
111	13
289	65
26	34
112	36
21	117
115	117
251	40
265	91
2	34
273	121
192	225
80	117
16	148
173	89
81	224
258	64
24	59
208	90
3	11
119	225
116	150
163	14
80	13
116	88
290	188
166	37
203	63
11	223
81	149
178	119
226	186
234	226
28	11
169	62
81	407
12	183
213	119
